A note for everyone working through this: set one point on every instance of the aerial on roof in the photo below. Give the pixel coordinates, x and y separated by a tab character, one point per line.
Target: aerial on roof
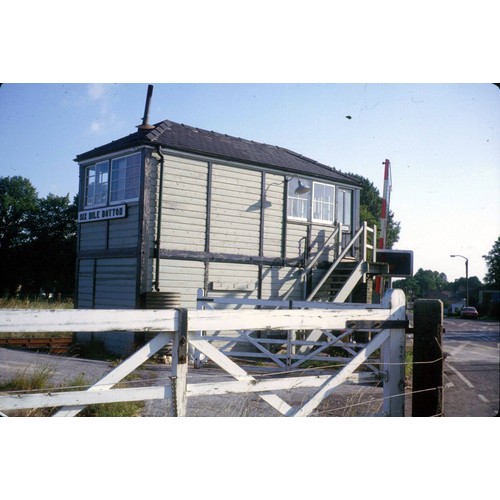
179	137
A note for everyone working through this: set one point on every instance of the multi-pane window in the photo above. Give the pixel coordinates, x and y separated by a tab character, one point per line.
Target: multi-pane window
299	205
323	203
323	209
344	206
125	178
96	184
122	183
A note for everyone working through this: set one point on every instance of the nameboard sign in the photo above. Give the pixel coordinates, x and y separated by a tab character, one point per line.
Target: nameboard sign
104	213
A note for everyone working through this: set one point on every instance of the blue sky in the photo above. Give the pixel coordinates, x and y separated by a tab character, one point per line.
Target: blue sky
443	141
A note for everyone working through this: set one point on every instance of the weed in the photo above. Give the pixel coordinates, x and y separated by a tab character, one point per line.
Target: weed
34	379
409	365
25	381
38	379
37	303
123	409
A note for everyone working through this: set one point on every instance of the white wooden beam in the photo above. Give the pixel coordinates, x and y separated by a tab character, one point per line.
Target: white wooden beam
87	320
342	376
122	370
94	320
83	398
239	374
279	384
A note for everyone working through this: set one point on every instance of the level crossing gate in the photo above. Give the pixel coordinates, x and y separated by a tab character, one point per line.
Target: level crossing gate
182	329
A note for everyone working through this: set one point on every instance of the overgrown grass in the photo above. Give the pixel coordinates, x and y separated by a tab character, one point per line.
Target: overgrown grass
29	379
27	303
409	365
31	303
34	378
124	409
37	379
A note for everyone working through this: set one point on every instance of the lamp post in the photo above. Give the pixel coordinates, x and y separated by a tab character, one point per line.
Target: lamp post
466	278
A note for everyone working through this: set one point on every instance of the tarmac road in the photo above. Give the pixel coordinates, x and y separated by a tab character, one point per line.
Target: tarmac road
472	368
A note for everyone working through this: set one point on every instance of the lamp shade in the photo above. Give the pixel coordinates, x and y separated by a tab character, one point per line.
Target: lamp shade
301	189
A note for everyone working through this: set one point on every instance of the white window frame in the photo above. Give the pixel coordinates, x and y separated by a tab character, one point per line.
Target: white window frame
296	198
96	167
341	210
312	198
322	204
112	180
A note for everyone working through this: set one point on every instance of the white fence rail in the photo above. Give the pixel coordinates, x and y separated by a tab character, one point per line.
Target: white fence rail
287	349
182	328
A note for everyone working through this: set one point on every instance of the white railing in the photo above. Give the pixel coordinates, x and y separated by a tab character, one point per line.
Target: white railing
182	328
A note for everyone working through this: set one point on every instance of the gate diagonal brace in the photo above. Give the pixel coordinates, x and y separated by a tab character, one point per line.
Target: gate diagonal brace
378	325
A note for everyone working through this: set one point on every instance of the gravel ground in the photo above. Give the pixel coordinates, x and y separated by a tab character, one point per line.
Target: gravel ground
348	399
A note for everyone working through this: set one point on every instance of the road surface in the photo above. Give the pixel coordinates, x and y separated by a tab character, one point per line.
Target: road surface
471	369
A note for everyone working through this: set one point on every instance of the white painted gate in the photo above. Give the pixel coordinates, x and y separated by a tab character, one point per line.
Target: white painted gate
181	328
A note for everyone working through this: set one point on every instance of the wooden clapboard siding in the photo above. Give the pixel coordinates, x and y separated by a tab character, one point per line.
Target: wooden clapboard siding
86	284
235	210
296	239
273	216
93	235
113	233
115	288
122	343
115	283
319	235
184	277
124	233
227	275
184	204
276	281
112	287
233	280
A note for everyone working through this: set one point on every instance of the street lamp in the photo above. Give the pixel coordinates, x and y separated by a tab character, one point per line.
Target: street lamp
466	278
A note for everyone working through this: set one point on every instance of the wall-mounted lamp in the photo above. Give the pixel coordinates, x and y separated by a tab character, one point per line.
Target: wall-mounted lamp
265	203
301	189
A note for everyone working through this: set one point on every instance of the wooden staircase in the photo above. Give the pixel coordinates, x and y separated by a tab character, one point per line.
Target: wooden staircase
344	273
332	287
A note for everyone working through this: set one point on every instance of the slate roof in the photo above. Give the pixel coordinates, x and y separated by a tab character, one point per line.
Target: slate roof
182	137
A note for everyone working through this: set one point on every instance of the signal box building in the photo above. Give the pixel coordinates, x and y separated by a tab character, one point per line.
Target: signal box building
173	208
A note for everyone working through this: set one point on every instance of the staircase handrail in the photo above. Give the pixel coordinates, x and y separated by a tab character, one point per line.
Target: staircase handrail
361	231
303	274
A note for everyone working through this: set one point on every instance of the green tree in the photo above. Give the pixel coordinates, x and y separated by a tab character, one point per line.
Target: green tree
53	244
459	288
493	265
371	210
423	283
37	239
430	281
410	286
18	199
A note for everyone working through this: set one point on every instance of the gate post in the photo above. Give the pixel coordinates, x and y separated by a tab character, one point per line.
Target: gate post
393	357
180	366
427	399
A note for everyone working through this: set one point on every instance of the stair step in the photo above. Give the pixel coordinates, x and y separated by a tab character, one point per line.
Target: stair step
336	281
